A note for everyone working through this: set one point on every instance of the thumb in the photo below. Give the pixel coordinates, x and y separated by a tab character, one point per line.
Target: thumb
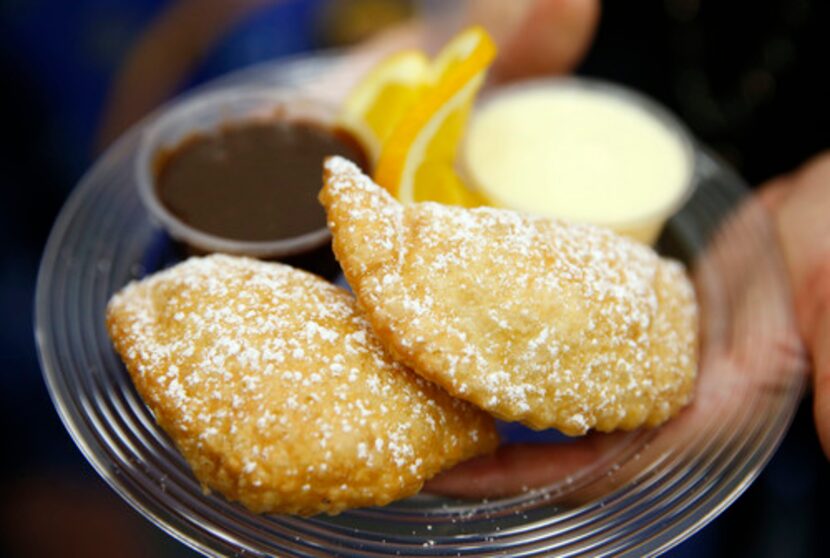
551	38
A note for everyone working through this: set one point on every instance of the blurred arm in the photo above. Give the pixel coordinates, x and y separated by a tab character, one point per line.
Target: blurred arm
164	55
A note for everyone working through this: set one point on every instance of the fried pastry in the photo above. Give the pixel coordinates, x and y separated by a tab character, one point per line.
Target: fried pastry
535	320
278	394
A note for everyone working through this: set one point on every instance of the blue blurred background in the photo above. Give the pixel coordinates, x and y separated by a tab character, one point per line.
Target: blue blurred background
747	77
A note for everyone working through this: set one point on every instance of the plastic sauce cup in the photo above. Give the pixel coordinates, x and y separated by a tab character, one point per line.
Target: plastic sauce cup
208	114
582	150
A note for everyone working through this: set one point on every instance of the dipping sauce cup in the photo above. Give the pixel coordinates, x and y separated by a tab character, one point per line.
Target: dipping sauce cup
582	150
238	171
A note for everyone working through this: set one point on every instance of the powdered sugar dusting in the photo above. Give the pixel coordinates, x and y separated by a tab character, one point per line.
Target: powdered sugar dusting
538	320
274	370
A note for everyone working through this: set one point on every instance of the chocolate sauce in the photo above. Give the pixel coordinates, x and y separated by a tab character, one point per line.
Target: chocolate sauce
252	181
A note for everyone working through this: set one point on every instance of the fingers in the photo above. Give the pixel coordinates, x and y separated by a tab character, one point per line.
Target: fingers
551	37
821	363
535	37
801	203
817	324
516	468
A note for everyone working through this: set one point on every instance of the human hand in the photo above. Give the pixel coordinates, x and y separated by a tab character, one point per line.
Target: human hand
535	37
800	204
750	360
736	273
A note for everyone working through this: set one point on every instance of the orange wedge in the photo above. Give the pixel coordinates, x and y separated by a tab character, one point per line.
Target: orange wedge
375	106
417	158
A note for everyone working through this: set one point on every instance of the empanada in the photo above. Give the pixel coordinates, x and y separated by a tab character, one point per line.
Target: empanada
535	320
277	392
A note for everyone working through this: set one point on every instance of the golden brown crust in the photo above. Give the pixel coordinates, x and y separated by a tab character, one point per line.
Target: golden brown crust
278	394
534	320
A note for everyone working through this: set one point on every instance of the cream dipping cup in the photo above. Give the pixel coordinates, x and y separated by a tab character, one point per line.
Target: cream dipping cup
582	150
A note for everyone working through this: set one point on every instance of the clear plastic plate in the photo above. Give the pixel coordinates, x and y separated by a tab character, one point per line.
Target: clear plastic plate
644	492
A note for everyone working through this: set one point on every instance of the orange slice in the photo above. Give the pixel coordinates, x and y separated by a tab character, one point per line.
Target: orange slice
417	159
375	106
